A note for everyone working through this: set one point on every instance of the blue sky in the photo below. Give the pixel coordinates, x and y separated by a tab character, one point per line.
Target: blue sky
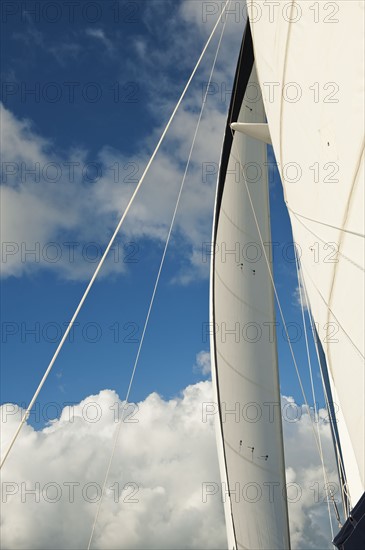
104	52
85	96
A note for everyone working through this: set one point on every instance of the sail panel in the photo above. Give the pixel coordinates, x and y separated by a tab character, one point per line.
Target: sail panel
310	62
244	355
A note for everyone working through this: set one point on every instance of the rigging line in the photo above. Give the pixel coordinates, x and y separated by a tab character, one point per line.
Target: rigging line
116	437
296	214
316	415
334	316
324	242
102	260
328	487
278	301
332	420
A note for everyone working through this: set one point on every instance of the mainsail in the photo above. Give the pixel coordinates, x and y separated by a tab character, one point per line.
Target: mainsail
306	61
244	363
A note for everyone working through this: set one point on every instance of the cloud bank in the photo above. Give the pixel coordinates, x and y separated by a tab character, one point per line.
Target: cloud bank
51	482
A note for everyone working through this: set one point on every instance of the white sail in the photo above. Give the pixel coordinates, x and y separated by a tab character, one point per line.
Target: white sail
244	354
310	63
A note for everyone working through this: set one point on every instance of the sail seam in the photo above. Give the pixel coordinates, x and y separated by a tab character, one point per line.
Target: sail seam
324	242
243	376
335	271
248	459
236	226
326	224
264	314
334	316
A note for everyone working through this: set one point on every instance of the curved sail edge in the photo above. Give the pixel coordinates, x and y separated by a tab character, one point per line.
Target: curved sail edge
310	65
245	372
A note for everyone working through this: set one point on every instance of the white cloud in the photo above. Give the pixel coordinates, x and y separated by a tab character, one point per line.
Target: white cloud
299	297
308	517
100	35
203	363
56	205
65	52
31	36
165	457
205	14
37	213
179	47
44	206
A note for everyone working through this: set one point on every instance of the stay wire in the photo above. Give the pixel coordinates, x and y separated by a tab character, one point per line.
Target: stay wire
316	415
126	403
106	252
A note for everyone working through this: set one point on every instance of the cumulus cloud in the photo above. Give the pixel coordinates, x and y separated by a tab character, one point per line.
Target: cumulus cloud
307	488
164	454
203	363
50	200
44	204
58	211
68	199
154	494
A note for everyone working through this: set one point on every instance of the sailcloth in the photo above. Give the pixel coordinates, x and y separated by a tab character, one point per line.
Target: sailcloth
310	64
244	354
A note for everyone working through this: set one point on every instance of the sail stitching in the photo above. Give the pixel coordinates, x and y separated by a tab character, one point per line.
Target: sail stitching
334	316
268	390
326	224
324	242
237	226
263	313
249	459
335	271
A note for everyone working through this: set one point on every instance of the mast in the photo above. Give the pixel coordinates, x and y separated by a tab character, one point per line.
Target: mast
310	63
243	344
